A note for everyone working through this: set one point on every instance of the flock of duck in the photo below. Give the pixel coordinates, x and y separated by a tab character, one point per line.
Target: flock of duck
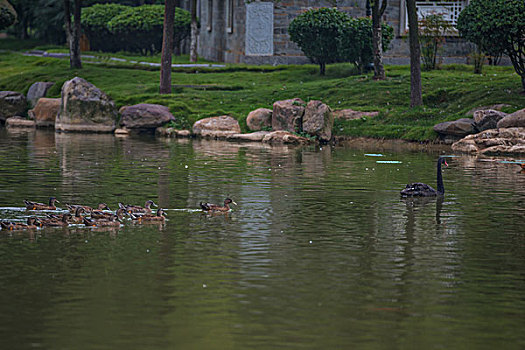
102	216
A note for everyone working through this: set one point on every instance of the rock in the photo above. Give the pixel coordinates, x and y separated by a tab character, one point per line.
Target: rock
497	107
121	131
85	108
36	91
350	114
487	119
514	120
259	119
288	115
493	141
318	120
460	127
45	112
11	103
216	127
19	122
282	136
145	116
253	137
172	132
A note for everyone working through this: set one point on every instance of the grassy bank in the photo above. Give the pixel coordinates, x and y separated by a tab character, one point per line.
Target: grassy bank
238	89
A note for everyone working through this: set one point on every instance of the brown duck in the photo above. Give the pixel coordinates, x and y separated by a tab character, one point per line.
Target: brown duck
135	209
101	215
32	224
159	217
217	208
41	206
57	221
87	209
112	221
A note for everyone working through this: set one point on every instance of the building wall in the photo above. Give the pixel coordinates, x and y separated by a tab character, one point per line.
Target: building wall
218	44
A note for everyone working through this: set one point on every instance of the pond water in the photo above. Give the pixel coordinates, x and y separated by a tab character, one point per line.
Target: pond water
319	253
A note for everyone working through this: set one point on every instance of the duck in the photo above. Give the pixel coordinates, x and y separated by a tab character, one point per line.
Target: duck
87	209
112	221
32	223
101	215
419	189
57	221
214	207
159	217
135	209
30	205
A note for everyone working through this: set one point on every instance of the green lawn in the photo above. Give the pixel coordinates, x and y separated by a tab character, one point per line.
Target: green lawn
238	89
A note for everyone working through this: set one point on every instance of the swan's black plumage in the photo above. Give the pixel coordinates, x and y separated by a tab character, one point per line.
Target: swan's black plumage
419	189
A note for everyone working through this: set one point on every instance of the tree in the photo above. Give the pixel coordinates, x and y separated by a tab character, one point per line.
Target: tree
7	14
378	8
497	26
194	32
416	98
167	47
73	32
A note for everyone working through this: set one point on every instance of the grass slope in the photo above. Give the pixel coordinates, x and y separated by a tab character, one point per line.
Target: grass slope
238	89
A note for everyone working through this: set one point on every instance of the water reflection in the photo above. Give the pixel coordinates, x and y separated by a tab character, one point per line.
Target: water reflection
320	240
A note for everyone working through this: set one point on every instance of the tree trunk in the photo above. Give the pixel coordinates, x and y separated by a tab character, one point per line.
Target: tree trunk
322	68
167	47
74	48
377	38
416	98
194	32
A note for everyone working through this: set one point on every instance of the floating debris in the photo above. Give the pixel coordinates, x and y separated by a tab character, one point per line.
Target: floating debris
389	161
374	155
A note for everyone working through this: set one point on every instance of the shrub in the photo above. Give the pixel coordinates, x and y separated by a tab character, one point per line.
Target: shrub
432	31
355	41
316	32
7	14
141	27
497	26
94	22
327	35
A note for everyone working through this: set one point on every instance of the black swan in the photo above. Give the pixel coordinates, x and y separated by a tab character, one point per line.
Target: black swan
419	189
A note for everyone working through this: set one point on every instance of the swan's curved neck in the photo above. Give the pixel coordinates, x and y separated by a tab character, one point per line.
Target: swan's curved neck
440	187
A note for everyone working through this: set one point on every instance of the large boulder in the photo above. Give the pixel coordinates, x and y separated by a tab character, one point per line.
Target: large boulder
282	136
497	107
36	91
288	115
216	127
493	141
350	114
11	103
250	137
145	116
318	120
45	111
461	127
486	119
514	120
85	108
19	122
259	119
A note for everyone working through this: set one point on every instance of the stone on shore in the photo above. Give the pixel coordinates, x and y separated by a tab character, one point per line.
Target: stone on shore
45	112
461	127
350	114
286	137
85	108
216	127
257	136
12	103
514	120
37	91
145	116
259	119
19	122
172	132
493	141
288	115
318	120
497	107
486	119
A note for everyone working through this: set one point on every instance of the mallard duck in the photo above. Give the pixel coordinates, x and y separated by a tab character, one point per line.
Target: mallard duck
87	209
159	217
136	209
57	222
41	206
112	221
214	207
